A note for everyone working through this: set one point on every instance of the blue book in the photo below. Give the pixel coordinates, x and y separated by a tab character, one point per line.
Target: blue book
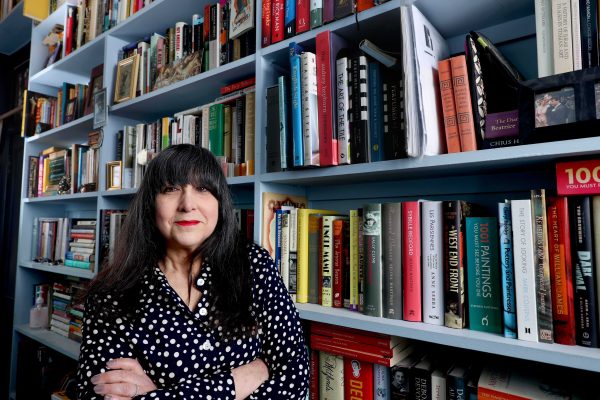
507	270
375	111
277	260
296	90
290	18
284	131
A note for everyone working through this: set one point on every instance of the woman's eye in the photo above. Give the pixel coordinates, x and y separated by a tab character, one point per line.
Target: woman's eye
201	189
169	189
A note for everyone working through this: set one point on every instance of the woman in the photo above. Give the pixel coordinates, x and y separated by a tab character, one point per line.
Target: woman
186	309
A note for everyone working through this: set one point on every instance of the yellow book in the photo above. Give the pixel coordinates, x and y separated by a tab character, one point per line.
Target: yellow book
46	174
302	274
36	9
354	221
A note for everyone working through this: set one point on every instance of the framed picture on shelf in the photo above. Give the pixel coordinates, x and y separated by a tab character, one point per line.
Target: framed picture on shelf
127	76
113	175
95	85
100	109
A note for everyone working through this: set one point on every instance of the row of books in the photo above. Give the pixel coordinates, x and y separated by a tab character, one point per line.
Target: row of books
337	107
209	41
283	19
567	35
59	170
70	241
528	272
42	112
90	18
347	363
225	127
65	313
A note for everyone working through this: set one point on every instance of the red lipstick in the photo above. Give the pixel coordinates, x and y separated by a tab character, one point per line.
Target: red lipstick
187	223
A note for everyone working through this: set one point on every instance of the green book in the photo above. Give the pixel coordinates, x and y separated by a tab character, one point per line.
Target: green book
483	275
216	134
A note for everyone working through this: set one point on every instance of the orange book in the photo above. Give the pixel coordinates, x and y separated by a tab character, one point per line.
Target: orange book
462	100
448	107
362	5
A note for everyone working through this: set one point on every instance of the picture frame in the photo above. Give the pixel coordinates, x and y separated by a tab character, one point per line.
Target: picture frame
96	84
100	109
114	175
126	80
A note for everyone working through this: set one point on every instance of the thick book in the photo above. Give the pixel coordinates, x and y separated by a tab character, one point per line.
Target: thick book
285	137
342	65
358	379
561	270
462	101
313	388
401	386
266	23
277	21
391	227
509	319
317	282
296	104
582	245
359	110
341	263
562	36
310	109
394	127
355	221
373	302
316	13
331	376
381	383
432	253
302	16
290	18
522	229
273	153
448	107
543	35
328	45
483	275
421	376
375	99
326	259
411	261
543	290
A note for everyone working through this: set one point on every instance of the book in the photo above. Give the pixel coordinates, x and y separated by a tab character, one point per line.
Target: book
509	319
391	236
411	261
359	379
359	110
462	101
271	202
310	106
373	301
381	383
296	104
432	251
331	376
562	37
343	106
448	107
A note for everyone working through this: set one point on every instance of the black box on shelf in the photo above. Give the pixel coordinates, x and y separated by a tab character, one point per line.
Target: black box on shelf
559	107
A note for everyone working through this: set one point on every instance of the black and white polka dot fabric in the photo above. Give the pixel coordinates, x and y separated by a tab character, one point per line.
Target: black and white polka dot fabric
181	351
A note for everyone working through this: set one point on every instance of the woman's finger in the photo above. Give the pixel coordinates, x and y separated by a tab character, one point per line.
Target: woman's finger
130	364
127	390
116	376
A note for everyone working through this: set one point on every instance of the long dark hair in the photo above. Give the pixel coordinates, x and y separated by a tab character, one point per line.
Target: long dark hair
141	245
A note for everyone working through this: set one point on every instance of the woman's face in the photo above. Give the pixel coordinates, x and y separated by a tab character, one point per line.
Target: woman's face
186	216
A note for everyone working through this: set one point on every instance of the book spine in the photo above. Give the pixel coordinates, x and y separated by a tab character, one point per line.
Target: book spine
325	97
561	272
290	18
589	32
339	226
283	122
327	261
543	35
316	13
562	38
411	261
302	265
448	107
331	376
318	340
375	111
296	79
314	375
454	277
542	266
462	101
373	302
315	263
310	115
354	222
527	326
302	16
293	253
361	262
249	133
433	262
359	115
342	8
483	273
266	23
508	271
348	353
576	35
278	21
343	105
586	302
381	383
328	11
273	135
392	259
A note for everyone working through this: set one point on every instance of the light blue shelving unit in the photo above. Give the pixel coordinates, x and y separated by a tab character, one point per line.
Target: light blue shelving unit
485	176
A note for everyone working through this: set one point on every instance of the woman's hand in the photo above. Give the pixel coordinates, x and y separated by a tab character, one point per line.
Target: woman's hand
248	377
125	380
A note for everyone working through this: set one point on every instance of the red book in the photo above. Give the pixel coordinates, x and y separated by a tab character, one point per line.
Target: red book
358	379
399	354
561	271
266	23
352	345
338	261
278	21
462	100
411	261
448	107
314	375
362	5
83	235
205	28
234	87
69	31
355	335
328	45
302	16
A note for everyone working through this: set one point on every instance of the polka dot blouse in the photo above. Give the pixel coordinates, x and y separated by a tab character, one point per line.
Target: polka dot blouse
183	354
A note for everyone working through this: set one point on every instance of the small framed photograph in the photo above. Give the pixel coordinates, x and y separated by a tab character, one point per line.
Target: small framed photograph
127	76
555	107
95	85
100	109
113	175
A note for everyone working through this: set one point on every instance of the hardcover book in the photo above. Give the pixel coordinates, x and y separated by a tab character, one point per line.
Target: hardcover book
373	305
411	261
392	259
432	245
331	376
359	379
507	270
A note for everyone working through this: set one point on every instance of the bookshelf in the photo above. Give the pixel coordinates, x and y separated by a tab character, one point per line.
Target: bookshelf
484	176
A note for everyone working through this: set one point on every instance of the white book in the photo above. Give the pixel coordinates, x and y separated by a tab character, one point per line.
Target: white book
576	32
381	382
543	35
143	72
214	47
432	247
343	105
138	168
205	119
179	35
310	117
285	249
331	376
527	327
438	385
562	37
